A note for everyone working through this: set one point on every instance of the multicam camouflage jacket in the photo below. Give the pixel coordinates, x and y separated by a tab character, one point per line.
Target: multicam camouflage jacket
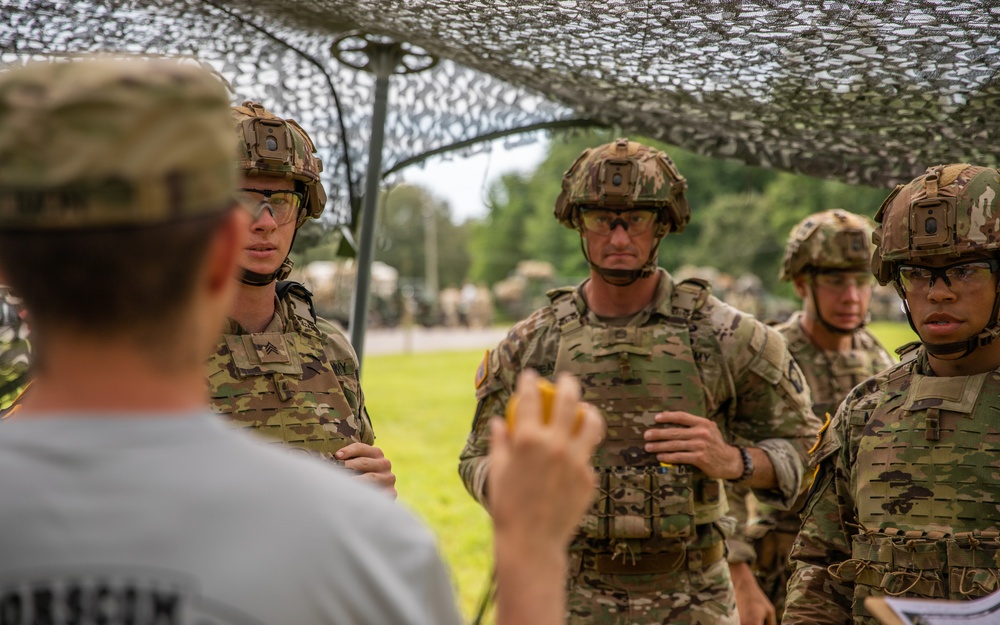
830	377
749	384
296	382
904	501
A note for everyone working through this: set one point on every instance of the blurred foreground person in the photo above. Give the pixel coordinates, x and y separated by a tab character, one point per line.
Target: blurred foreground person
905	501
124	498
279	370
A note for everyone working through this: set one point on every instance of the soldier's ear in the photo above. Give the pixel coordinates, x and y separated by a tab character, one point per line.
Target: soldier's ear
801	284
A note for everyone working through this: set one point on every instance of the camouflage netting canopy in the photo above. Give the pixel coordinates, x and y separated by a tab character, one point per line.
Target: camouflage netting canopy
865	91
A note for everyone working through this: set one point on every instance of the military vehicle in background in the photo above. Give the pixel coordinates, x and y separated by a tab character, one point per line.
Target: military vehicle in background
332	285
523	292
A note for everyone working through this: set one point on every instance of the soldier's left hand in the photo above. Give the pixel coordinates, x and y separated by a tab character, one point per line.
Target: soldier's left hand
696	441
370	464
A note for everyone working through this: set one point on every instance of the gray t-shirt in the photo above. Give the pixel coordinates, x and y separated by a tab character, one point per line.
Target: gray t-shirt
177	519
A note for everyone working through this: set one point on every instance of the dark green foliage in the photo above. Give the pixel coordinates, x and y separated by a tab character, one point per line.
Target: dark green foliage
741	215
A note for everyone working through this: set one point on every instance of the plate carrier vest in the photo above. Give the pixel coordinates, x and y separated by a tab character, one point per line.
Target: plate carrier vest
631	373
282	384
927	462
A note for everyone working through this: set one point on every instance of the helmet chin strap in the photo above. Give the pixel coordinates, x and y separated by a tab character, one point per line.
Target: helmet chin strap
261	279
623	277
986	336
829	326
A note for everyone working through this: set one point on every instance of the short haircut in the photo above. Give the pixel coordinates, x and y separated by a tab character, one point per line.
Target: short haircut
123	281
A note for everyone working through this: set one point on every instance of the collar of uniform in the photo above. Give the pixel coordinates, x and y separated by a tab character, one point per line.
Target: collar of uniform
663	296
276	324
660	303
922	364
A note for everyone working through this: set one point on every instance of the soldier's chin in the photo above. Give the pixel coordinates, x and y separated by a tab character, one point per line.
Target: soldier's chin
621	265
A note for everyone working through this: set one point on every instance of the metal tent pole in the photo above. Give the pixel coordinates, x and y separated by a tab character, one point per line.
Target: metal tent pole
382	57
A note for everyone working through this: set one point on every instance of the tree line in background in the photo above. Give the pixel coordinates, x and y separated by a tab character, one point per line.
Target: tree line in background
741	217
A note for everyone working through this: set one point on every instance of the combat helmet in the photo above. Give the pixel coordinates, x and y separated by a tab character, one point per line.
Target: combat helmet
624	175
949	211
831	240
278	148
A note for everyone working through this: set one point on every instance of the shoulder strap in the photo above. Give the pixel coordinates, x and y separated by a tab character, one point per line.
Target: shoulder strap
896	377
688	297
908	351
565	310
300	296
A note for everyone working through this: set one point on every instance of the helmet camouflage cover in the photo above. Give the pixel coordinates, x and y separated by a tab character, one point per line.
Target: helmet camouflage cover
833	239
103	142
272	146
624	174
950	211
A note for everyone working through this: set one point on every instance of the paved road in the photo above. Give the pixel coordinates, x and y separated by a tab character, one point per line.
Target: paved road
421	339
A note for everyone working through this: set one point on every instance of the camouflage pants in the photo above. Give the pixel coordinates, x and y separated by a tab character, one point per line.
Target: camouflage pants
772	567
702	597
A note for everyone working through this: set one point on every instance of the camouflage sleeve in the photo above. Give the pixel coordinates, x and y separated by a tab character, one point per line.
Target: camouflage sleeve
345	364
815	594
529	344
774	406
740	546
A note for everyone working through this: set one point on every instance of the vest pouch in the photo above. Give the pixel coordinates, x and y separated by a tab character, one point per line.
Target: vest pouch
973	568
672	503
595	521
629	495
895	565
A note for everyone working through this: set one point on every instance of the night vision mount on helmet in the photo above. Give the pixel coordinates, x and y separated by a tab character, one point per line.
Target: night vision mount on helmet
624	175
952	212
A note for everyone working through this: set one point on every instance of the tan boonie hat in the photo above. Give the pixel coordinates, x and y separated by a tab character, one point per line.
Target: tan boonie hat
101	142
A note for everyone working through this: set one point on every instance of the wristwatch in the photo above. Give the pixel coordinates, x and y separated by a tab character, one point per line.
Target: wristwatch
747	466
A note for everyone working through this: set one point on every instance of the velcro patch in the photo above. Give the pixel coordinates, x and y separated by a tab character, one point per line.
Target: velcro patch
270	347
483	370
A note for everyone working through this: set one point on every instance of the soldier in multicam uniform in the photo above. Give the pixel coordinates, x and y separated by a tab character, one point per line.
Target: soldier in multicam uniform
15	351
828	259
904	501
280	370
677	374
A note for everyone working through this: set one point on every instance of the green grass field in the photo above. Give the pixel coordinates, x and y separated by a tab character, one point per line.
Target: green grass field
422	407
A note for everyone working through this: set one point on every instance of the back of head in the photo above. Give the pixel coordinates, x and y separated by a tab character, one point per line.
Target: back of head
110	171
831	240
